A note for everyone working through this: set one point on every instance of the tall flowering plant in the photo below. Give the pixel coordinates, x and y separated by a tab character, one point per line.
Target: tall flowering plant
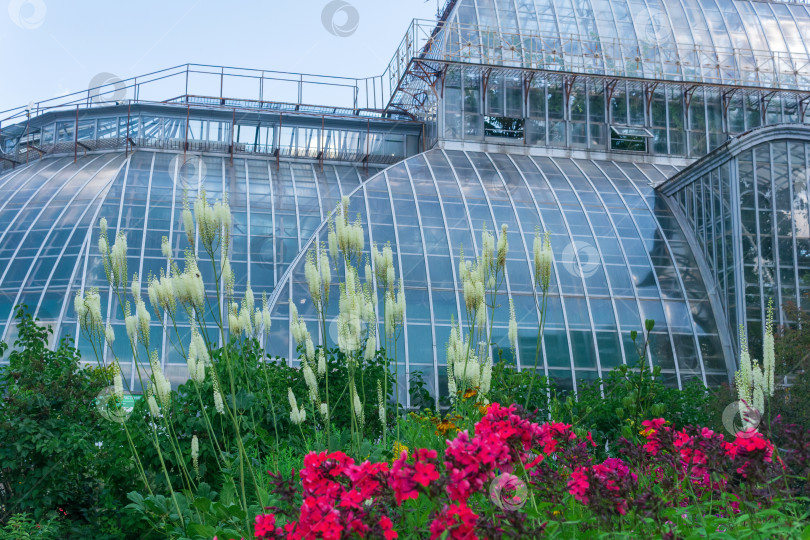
172	295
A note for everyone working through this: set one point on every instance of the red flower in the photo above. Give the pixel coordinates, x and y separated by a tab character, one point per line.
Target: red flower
404	477
265	526
578	484
458	520
388	528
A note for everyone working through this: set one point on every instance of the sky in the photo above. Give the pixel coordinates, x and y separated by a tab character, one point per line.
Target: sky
54	47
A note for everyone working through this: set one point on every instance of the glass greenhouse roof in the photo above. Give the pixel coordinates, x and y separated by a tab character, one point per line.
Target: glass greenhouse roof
735	42
620	258
51	208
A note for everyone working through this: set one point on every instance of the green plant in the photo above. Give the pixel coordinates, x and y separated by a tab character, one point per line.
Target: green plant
48	450
617	404
23	527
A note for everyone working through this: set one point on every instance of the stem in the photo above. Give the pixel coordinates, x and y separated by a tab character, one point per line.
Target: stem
540	329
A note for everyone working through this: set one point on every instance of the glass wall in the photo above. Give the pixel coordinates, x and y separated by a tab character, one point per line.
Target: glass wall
309	137
542	109
734	42
620	257
49	228
769	226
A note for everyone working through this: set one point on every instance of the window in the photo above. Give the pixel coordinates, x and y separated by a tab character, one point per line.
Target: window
503	127
632	139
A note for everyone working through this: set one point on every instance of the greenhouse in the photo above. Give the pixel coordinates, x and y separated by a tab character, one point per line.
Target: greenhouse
542	272
605	124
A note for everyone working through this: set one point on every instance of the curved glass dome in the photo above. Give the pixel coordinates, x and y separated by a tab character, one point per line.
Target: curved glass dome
739	42
620	257
49	226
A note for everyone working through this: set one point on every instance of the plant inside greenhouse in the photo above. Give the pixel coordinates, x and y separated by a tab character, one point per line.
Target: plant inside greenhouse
546	274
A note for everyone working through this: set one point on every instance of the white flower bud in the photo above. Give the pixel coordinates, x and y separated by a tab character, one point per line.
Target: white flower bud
371	348
131	322
381	404
486	377
227	276
109	335
312	383
513	328
118	384
358	407
218	404
79	306
310	348
143	320
503	247
153	406
188	225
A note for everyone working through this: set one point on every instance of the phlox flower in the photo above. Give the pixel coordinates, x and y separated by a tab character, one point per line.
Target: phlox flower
458	520
405	477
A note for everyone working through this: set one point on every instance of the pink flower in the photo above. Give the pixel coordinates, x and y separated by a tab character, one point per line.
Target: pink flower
458	520
265	526
578	484
388	528
404	477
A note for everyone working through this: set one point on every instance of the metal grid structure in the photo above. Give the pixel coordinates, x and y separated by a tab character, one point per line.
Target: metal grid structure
757	248
50	214
620	257
728	43
179	125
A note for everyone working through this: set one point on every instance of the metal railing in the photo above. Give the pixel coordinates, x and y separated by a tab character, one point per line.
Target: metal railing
444	41
340	95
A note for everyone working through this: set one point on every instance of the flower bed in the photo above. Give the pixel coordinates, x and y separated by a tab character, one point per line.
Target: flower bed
515	478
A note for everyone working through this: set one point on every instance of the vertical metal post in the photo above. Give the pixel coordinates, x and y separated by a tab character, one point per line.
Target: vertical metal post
186	83
278	146
129	115
233	126
261	89
221	83
76	135
27	131
322	138
368	143
185	139
300	89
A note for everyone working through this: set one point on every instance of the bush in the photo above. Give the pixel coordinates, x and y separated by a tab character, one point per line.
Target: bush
50	466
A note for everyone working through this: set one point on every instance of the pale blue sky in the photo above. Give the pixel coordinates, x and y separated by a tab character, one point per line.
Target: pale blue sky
53	47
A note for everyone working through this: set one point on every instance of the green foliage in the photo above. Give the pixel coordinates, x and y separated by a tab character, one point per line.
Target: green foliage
61	454
47	458
419	393
23	527
511	386
616	405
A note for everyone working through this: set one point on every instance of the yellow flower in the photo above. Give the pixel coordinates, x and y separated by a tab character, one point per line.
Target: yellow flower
398	449
444	426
